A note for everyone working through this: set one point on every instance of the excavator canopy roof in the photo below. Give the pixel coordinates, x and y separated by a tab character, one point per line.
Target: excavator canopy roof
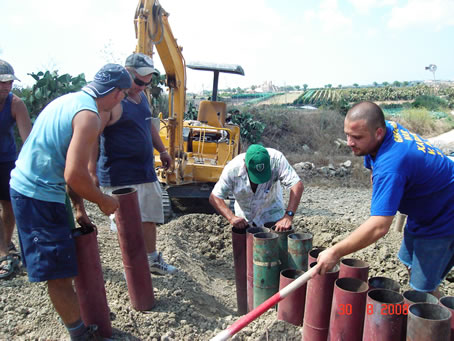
228	68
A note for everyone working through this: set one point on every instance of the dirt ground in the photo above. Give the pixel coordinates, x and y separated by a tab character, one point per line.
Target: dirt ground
199	301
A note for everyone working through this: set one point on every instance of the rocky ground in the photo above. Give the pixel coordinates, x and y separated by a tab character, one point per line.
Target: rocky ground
199	301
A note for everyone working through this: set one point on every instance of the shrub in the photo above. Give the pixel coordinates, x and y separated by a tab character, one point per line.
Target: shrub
430	102
418	120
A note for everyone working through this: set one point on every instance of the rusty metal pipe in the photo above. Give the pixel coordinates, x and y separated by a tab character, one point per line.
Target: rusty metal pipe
239	261
266	266
282	241
347	310
291	308
411	297
298	245
89	283
313	255
448	302
132	246
354	268
319	297
379	282
384	315
249	262
428	322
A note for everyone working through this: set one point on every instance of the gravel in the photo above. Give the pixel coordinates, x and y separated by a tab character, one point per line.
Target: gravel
200	300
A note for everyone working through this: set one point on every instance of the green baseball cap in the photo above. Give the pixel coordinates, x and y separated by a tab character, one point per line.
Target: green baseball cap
258	164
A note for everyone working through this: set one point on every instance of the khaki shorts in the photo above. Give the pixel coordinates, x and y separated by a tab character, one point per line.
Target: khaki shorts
150	200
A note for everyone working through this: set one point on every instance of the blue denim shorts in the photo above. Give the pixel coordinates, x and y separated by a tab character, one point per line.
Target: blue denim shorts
430	260
47	247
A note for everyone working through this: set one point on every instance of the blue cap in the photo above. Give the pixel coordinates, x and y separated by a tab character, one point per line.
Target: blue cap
111	76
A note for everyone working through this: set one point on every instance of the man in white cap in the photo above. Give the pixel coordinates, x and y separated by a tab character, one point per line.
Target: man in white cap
126	156
12	112
56	154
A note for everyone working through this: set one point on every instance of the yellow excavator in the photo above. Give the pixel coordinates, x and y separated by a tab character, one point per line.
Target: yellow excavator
199	148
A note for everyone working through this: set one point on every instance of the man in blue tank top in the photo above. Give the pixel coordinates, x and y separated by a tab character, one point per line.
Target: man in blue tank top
12	112
413	177
126	156
56	155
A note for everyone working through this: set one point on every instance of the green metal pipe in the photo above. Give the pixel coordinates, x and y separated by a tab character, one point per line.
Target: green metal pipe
299	244
266	266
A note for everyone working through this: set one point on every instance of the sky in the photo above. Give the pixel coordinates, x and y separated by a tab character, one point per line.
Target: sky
287	42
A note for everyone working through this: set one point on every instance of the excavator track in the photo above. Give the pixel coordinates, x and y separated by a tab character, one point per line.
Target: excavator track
166	205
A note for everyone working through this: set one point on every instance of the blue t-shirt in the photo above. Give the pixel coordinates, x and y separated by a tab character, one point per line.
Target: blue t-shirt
40	167
7	122
126	147
413	177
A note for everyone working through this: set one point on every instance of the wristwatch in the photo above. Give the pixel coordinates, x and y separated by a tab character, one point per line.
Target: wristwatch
290	213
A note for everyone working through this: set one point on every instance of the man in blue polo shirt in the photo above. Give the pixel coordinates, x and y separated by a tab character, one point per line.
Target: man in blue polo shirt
413	177
56	154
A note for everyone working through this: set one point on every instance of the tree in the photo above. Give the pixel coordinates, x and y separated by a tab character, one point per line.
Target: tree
297	87
305	86
375	84
340	86
385	83
396	83
253	87
329	86
405	83
355	85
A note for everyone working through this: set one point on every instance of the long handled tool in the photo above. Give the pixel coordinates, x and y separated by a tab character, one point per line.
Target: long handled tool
273	300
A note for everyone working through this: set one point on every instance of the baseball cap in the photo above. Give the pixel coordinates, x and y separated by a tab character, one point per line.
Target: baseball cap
110	76
258	164
142	63
7	72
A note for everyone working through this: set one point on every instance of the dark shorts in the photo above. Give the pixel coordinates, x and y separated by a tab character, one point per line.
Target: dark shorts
5	176
47	247
430	260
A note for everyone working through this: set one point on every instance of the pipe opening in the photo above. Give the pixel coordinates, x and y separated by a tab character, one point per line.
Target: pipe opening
385	296
125	190
334	269
430	311
384	283
300	236
351	284
355	263
316	251
447	301
292	273
414	296
266	235
238	230
254	230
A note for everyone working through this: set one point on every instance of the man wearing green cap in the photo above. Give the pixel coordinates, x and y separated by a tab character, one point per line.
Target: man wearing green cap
254	179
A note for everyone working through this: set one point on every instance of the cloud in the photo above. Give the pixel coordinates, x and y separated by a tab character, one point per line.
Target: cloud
436	14
364	6
330	17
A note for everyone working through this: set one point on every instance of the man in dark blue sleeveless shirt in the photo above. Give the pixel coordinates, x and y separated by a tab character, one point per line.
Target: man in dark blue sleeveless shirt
12	111
126	155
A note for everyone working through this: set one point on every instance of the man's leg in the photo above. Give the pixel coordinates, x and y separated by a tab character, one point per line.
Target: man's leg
149	236
64	299
8	220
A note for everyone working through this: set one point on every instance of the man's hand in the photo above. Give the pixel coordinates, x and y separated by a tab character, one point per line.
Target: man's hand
238	222
284	224
166	160
108	205
326	260
83	220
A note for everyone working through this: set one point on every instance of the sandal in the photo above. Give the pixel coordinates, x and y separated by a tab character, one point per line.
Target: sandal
13	251
8	264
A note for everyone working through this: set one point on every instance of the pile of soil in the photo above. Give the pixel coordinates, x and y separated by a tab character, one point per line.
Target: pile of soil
199	300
